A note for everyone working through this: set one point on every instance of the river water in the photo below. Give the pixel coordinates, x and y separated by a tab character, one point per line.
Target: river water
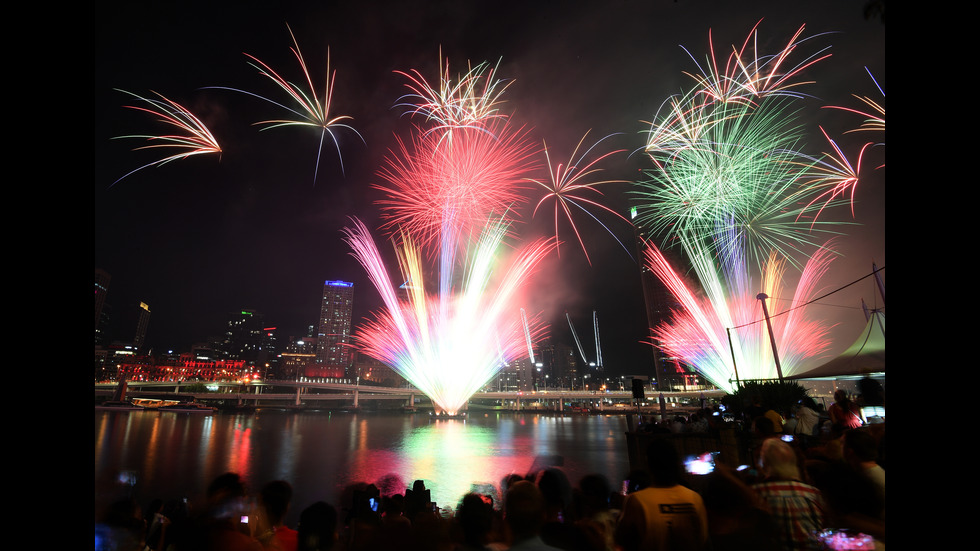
174	455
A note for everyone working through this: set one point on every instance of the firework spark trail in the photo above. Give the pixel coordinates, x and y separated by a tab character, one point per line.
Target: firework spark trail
448	344
698	333
527	336
568	185
804	338
598	350
578	343
833	176
309	108
873	122
430	186
472	101
745	79
195	140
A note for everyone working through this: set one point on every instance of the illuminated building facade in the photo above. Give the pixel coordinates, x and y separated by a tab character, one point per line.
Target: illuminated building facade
142	323
245	338
102	279
334	330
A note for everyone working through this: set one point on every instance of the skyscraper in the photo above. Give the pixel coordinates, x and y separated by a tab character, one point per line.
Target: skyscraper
102	279
244	337
334	332
141	324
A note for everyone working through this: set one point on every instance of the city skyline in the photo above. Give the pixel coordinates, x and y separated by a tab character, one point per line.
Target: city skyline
259	227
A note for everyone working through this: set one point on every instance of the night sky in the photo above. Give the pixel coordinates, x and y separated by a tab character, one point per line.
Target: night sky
202	237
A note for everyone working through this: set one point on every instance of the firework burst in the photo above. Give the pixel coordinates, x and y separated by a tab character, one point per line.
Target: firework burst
470	101
461	183
733	188
310	109
734	169
571	185
747	76
194	139
874	120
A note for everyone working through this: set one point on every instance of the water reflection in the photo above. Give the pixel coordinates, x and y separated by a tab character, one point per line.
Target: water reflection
176	455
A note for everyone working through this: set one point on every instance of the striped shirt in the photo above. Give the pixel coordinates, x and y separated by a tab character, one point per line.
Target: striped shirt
797	510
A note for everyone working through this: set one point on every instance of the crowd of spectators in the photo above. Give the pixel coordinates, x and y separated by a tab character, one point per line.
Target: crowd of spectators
790	498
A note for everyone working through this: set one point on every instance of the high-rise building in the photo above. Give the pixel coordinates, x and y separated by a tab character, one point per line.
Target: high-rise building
139	339
295	357
334	331
244	337
102	279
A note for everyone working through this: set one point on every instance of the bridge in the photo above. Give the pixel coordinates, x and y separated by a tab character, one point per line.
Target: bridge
299	395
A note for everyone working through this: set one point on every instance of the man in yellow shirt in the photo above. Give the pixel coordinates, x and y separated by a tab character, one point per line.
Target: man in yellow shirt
665	515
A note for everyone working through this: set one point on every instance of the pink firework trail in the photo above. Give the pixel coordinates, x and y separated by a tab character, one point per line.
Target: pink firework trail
460	183
571	185
451	342
698	331
194	139
746	75
874	121
835	173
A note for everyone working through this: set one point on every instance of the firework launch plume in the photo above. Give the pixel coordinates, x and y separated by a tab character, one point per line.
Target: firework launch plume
449	342
698	334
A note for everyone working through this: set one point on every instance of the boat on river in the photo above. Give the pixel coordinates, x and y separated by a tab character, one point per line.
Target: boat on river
188	407
153	403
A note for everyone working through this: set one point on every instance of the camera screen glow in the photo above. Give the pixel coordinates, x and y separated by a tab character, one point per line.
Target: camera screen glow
700	464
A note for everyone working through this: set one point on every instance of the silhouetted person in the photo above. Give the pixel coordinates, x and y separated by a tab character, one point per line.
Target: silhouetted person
665	515
524	514
219	526
120	528
317	530
737	519
417	499
274	500
596	520
556	490
474	517
872	393
861	451
844	413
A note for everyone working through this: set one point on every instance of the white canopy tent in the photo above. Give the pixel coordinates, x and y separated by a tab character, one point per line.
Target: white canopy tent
865	357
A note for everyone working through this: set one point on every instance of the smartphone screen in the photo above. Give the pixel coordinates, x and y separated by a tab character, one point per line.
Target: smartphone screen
700	464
